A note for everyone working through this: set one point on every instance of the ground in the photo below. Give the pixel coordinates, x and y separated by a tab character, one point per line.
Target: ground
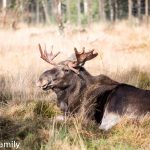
26	112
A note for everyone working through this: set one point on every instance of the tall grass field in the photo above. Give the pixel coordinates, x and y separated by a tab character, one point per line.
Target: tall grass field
27	114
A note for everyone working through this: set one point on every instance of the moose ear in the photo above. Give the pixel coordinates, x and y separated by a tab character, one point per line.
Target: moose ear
75	49
72	65
81	58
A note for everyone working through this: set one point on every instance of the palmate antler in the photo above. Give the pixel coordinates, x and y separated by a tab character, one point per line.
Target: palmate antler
81	58
48	57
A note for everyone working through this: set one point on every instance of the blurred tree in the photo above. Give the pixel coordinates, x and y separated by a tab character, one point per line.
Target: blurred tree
146	12
89	11
4	4
79	12
130	9
139	10
45	8
68	10
85	7
95	10
116	9
37	12
111	10
76	11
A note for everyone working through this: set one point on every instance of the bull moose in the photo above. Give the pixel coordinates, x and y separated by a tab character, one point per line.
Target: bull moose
99	98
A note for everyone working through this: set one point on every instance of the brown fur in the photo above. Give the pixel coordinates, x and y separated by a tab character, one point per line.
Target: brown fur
94	96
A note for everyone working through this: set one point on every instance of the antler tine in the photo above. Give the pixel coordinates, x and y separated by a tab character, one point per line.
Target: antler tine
40	49
42	54
83	50
51	53
48	57
45	52
79	53
83	56
90	55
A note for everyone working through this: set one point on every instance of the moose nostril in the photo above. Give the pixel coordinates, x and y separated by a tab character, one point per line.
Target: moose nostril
41	83
44	82
38	83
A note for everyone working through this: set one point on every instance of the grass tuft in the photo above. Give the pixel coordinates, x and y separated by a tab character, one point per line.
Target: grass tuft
27	113
46	109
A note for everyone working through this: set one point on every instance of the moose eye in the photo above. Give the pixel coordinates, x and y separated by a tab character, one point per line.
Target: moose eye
66	70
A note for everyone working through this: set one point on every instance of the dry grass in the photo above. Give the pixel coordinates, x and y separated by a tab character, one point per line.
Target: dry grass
27	115
39	130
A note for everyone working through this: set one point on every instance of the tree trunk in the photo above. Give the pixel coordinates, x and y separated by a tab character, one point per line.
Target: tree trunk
44	3
59	18
130	10
146	12
85	7
37	12
68	11
21	10
89	12
79	12
4	4
59	7
4	12
111	10
116	9
102	10
139	10
57	11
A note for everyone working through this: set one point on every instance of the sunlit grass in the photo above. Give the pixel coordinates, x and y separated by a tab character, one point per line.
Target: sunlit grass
27	113
35	130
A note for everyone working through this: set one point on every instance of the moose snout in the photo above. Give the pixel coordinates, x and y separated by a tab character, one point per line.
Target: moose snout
38	83
41	83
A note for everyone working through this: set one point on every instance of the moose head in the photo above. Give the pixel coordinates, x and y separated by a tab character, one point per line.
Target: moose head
67	78
60	75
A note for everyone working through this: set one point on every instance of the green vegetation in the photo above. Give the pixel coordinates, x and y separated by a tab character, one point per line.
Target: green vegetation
36	132
27	113
32	124
137	78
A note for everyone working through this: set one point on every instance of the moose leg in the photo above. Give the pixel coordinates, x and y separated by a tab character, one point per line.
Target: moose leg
64	108
109	120
60	118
